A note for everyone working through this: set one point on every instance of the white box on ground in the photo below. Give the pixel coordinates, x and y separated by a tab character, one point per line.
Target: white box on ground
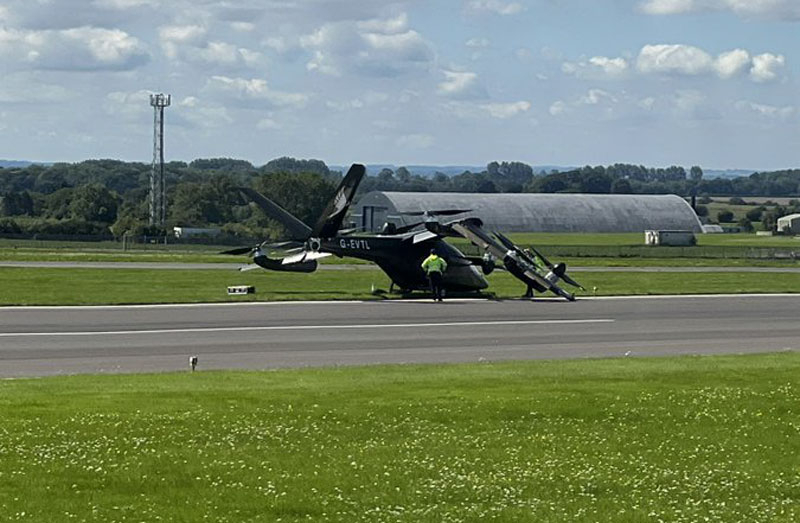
241	289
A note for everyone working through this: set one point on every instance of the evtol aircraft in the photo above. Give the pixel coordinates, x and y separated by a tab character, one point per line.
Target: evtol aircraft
399	251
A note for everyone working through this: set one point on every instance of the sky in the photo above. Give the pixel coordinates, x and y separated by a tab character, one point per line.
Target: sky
713	83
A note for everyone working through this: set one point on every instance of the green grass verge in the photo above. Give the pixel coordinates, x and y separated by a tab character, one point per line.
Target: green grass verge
682	440
35	286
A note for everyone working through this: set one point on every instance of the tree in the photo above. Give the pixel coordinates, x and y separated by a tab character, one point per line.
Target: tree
745	224
725	216
621	186
94	203
695	173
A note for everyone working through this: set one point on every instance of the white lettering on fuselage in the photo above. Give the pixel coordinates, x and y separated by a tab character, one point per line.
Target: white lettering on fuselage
354	243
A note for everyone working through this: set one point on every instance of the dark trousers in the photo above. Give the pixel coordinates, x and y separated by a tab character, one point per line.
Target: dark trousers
436	284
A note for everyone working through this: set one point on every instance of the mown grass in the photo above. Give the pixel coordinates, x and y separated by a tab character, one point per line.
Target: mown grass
62	286
681	440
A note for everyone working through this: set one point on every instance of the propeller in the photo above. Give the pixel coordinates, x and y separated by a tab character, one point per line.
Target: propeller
443	212
559	269
240	250
564	276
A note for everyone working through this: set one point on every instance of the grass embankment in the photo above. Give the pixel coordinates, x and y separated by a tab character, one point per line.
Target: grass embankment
35	286
679	440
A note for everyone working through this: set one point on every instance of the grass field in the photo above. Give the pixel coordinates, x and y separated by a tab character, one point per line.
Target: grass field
36	286
690	439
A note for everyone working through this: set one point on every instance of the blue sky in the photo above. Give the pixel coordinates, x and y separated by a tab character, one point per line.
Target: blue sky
568	82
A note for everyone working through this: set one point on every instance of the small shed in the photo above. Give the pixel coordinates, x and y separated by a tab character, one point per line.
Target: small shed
789	224
669	238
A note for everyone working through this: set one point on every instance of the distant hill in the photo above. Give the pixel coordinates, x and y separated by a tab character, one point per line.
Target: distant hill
428	171
11	164
726	173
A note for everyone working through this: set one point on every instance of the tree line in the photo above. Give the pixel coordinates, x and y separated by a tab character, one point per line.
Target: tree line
101	197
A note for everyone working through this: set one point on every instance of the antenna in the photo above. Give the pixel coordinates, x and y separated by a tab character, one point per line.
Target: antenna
158	195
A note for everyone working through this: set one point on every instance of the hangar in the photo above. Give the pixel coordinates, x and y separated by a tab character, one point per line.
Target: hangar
535	212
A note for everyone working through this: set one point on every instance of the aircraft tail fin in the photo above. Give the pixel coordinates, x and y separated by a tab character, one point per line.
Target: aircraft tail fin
297	229
331	219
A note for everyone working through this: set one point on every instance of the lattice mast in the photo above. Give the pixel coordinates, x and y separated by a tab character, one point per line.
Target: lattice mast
158	195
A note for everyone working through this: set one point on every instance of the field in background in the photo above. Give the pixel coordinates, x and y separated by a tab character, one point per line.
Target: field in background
581	245
578	441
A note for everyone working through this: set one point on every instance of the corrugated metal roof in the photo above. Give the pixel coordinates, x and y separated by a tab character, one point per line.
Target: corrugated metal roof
536	212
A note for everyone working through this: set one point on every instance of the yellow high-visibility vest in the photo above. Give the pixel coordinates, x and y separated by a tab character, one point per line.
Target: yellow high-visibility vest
434	263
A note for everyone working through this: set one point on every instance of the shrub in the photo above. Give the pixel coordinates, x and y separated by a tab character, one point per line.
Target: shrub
725	216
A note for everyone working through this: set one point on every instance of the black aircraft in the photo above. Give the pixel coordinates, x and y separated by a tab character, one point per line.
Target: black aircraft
399	251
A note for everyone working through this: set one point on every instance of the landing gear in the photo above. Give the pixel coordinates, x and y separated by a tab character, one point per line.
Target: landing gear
528	293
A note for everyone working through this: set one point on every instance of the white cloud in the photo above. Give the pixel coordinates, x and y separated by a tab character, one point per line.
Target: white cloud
495	6
128	105
253	90
687	60
461	85
373	47
767	111
775	9
124	4
732	63
190	43
765	67
670	59
79	49
506	110
477	43
597	67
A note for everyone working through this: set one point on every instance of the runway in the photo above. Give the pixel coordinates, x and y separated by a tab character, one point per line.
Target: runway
37	341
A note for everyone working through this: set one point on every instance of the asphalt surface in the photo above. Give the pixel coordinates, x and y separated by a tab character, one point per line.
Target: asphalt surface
38	341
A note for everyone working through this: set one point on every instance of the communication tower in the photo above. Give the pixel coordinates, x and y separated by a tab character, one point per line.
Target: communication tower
158	195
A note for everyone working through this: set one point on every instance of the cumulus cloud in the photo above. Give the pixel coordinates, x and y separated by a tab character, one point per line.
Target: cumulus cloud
687	60
506	110
775	9
461	85
380	47
495	6
78	49
766	66
190	43
674	59
596	67
253	91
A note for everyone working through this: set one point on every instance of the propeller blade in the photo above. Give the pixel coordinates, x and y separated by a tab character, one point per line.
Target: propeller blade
249	267
572	282
423	236
295	258
508	244
317	255
540	255
441	212
406	228
448	212
345	232
239	250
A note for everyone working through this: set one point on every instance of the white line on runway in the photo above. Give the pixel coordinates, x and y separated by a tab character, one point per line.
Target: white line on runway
302	327
389	302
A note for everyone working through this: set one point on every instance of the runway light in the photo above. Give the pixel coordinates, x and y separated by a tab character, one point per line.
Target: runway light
193	362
